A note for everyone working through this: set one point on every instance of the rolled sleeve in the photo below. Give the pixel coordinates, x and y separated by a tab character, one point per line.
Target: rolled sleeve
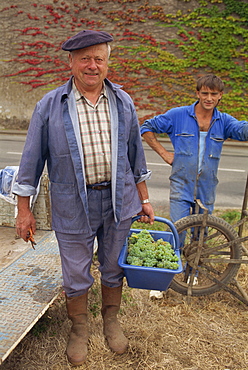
146	127
144	177
24	190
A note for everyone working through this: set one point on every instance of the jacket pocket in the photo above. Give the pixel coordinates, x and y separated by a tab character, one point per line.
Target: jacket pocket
130	187
215	147
63	199
184	143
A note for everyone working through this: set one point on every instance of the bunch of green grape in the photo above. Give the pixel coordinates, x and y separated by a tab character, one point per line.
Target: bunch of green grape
143	250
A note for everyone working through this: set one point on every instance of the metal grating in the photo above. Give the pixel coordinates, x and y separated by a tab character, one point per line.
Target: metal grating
27	288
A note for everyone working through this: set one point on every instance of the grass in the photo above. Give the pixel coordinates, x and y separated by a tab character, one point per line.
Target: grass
231	216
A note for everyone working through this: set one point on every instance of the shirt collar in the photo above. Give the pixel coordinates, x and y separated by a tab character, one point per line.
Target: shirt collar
78	94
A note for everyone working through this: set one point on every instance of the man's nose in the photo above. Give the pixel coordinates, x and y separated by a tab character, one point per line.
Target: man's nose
209	96
92	63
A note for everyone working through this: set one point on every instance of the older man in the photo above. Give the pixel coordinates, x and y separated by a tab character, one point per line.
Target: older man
88	134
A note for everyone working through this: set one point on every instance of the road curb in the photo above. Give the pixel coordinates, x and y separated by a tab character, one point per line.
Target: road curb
228	142
13	132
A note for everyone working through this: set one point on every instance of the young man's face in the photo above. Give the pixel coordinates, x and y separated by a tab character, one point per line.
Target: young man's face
208	99
89	66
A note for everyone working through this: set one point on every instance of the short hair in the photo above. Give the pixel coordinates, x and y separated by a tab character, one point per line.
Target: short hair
211	81
109	49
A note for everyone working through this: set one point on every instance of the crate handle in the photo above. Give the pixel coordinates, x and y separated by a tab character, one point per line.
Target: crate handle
167	222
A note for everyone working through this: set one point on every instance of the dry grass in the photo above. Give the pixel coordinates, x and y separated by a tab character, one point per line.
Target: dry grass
209	333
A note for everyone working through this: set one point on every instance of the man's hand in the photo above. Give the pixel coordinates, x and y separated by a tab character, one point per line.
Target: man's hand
25	220
147	214
168	157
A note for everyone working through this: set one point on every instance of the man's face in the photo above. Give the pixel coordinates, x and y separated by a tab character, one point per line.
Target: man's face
208	99
89	66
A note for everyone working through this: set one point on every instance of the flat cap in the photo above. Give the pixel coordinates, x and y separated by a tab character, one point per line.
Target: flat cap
86	38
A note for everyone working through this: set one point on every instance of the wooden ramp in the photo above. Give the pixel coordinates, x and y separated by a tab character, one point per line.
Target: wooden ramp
28	286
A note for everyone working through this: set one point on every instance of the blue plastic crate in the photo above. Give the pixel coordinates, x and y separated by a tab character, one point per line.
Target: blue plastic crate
151	278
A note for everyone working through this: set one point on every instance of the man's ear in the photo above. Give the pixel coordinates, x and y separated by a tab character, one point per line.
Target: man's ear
221	94
70	59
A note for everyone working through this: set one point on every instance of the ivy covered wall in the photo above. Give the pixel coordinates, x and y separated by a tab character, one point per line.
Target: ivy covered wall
159	49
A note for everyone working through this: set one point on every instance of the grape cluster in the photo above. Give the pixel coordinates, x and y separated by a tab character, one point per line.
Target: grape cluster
143	250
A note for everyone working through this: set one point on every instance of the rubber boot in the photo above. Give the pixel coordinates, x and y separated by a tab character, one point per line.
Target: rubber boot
111	301
77	344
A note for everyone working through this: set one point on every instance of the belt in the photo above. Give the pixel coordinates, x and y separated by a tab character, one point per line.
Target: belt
99	187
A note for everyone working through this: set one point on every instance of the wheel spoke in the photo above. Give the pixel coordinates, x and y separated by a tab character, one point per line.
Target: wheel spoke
213	261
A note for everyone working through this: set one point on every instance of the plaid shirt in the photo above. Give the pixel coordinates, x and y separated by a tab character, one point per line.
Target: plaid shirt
94	121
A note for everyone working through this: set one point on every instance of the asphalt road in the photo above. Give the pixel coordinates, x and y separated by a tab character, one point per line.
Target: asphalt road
232	173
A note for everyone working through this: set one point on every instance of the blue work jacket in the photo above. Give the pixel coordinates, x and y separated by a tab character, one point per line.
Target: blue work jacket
54	138
186	183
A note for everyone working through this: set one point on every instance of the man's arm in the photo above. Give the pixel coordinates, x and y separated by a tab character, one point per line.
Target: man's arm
147	210
25	219
152	141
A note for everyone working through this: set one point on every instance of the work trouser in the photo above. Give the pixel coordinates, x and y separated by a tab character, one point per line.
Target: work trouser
76	250
182	208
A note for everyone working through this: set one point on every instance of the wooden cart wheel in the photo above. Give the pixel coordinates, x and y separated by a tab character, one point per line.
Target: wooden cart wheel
216	258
